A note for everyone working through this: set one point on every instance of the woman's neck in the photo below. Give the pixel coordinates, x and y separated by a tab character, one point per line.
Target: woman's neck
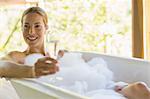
38	49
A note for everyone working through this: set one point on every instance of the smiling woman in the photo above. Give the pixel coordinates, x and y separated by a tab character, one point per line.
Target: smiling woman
33	29
34	25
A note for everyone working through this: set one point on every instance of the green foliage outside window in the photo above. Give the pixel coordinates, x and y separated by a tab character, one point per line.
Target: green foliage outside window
102	26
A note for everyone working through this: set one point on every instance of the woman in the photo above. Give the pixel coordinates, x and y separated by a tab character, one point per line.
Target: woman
34	25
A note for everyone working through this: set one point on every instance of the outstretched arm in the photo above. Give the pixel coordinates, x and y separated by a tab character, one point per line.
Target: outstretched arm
43	66
11	69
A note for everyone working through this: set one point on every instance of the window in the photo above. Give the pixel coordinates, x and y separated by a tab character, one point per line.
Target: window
102	26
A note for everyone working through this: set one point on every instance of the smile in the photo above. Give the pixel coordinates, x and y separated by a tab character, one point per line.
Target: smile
32	38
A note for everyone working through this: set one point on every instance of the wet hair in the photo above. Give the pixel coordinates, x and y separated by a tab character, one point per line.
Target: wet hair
37	10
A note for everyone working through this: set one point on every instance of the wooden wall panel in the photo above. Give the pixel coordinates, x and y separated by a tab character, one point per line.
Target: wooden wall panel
137	29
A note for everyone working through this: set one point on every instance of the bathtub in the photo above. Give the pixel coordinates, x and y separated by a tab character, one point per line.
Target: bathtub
124	69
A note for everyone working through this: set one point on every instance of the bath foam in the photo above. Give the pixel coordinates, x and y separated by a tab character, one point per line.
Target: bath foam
92	78
74	71
96	75
32	58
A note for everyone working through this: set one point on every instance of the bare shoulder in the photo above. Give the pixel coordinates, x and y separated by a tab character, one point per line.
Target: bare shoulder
16	53
13	55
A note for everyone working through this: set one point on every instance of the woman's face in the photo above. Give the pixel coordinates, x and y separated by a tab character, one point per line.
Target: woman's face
33	28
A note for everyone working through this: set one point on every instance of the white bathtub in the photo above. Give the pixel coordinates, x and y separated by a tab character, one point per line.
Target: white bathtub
125	69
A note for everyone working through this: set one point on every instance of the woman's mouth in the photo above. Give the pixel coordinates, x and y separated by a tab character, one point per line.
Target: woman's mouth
32	38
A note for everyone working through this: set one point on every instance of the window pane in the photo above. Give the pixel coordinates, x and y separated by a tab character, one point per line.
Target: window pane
102	26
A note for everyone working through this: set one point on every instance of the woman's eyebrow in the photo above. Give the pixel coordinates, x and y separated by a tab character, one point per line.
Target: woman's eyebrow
37	23
26	23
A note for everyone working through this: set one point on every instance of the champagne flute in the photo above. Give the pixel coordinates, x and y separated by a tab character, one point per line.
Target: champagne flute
55	78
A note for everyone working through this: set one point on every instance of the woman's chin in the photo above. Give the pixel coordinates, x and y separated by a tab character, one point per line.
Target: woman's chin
32	44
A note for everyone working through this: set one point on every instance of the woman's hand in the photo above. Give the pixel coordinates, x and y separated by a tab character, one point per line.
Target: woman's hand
45	66
61	53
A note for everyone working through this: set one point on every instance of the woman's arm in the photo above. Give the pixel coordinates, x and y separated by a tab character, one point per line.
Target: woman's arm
43	66
11	69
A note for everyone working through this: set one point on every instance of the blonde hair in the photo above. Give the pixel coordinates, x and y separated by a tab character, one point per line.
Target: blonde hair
37	10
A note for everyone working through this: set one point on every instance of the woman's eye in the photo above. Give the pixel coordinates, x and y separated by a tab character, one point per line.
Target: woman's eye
26	26
37	26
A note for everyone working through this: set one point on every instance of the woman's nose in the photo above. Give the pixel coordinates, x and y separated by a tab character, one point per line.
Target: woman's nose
32	31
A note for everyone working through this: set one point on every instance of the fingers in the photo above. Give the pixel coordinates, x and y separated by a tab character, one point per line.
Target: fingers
49	68
42	72
45	66
47	59
61	53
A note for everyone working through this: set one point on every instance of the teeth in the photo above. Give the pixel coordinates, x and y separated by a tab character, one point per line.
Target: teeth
32	38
